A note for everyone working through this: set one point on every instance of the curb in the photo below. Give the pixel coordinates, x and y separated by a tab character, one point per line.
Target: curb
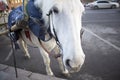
8	73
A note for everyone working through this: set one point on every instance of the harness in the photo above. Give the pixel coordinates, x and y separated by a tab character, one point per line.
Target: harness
54	34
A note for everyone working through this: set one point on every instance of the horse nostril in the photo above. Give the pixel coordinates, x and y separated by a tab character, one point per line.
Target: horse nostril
68	62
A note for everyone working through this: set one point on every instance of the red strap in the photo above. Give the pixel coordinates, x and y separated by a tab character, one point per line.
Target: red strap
27	33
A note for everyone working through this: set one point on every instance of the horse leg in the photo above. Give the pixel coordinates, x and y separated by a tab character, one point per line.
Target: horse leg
56	51
24	48
46	60
64	70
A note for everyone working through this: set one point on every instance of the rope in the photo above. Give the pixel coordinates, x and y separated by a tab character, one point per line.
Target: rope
14	57
25	9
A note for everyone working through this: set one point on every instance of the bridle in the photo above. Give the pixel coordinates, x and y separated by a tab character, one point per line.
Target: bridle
53	33
52	28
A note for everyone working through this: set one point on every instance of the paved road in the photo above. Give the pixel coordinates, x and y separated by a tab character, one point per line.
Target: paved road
101	44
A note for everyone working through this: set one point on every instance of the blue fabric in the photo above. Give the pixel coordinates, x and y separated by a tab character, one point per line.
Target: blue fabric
34	12
17	15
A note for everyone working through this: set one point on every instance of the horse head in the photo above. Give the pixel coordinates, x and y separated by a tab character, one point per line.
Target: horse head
64	16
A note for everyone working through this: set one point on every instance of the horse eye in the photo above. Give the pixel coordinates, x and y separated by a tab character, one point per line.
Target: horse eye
55	10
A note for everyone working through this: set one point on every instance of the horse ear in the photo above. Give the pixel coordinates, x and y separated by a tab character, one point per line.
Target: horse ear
82	8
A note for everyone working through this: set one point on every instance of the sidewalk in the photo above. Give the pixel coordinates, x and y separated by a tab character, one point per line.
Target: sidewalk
8	73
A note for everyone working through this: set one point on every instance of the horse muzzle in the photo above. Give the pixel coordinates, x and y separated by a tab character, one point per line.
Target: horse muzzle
72	67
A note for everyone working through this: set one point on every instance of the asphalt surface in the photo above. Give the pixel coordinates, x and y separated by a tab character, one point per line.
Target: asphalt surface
101	44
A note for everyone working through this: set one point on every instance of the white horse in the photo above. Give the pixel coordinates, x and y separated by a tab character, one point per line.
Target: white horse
64	18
